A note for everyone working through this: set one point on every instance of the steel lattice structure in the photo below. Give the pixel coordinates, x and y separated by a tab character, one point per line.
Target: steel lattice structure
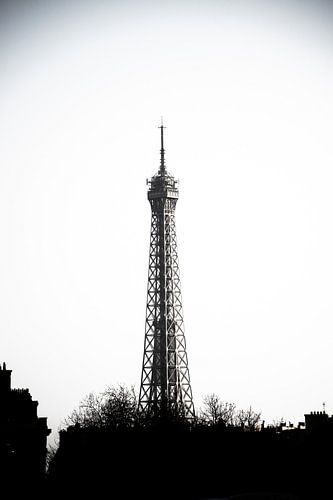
165	380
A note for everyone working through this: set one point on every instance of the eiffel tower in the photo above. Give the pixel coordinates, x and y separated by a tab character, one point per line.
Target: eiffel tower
165	380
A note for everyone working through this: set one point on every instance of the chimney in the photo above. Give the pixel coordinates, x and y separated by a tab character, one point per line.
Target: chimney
5	379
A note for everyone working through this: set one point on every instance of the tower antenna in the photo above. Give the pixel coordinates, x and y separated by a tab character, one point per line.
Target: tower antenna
162	166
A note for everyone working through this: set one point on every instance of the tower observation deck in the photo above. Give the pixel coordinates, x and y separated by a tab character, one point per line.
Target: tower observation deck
165	380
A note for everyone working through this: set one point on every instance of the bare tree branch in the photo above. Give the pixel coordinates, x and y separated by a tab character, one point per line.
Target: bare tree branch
217	412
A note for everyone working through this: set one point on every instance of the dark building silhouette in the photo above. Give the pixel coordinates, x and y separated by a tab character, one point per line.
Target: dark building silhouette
318	421
23	435
219	462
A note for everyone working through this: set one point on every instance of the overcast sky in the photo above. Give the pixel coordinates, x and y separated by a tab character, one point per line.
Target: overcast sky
245	89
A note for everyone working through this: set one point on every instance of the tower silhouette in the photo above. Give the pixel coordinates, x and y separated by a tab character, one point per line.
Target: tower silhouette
165	380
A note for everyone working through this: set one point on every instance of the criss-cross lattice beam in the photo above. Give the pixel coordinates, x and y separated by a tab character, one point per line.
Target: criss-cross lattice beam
165	379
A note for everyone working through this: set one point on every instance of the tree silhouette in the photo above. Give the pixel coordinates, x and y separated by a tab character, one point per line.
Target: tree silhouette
216	412
247	419
115	408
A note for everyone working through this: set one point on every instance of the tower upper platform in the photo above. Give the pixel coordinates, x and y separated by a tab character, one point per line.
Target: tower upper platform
162	185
